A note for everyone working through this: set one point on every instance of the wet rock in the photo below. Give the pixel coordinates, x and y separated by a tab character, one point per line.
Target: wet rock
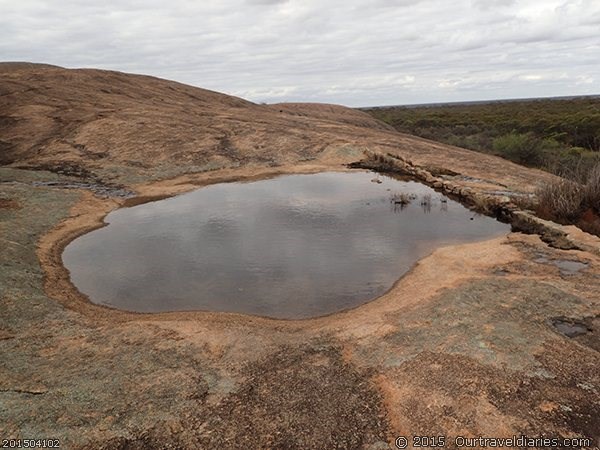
550	232
570	327
100	190
568	267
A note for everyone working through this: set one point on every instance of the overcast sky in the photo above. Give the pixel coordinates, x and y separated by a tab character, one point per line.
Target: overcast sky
352	52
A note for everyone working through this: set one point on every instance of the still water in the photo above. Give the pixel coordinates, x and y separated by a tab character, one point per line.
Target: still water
295	246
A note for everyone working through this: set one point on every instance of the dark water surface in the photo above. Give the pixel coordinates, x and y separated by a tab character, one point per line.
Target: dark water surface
295	246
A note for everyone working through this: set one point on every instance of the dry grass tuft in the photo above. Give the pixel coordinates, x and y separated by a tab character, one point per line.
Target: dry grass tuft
401	198
561	200
566	200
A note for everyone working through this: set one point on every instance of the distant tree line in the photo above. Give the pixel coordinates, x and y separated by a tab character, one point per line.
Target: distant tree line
555	134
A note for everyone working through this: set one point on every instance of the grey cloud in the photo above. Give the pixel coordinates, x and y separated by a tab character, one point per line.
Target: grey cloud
487	5
353	52
266	2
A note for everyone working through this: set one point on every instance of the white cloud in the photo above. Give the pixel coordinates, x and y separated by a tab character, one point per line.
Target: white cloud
354	52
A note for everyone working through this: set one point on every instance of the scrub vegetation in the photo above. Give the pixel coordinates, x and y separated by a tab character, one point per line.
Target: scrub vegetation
556	135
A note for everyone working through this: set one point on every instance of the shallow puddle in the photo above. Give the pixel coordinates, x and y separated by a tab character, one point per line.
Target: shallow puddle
295	246
565	266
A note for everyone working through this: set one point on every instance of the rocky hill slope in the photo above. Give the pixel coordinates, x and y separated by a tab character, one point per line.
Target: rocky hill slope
129	129
88	120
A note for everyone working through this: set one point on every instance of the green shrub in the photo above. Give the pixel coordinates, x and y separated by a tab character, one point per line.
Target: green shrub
574	164
521	148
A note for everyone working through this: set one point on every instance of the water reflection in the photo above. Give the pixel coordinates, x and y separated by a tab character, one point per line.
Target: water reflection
291	247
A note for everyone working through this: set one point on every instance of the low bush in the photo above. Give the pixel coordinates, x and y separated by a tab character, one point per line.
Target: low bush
517	147
566	199
560	200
